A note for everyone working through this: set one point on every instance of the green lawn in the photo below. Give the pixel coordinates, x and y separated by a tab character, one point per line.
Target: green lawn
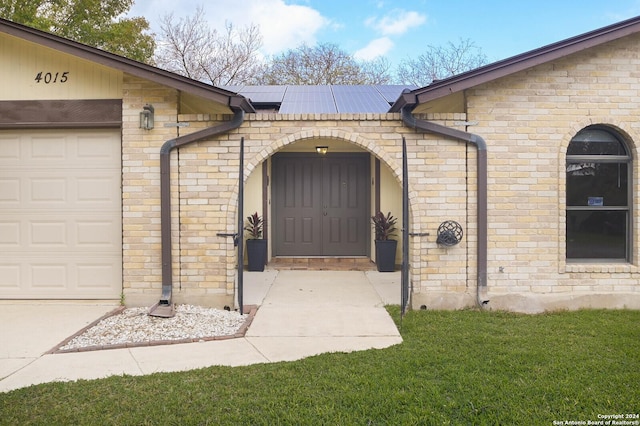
461	368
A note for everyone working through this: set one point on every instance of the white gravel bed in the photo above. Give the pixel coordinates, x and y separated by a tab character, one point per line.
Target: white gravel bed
133	325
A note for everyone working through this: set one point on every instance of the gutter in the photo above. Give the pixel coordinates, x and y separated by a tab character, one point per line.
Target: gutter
165	197
481	146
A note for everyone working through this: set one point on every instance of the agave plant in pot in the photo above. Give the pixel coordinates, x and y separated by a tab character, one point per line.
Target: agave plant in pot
256	245
385	227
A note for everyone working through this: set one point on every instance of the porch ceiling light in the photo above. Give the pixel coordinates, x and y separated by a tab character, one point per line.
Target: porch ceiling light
146	117
322	150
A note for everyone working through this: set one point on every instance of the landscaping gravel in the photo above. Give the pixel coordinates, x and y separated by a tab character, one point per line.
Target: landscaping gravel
134	325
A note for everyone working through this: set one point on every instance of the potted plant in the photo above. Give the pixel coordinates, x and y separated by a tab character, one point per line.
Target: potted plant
385	227
256	245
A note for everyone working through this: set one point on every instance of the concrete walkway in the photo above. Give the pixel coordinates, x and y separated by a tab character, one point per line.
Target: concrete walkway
302	313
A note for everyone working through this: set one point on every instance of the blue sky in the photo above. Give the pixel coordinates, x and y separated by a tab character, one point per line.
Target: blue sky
399	29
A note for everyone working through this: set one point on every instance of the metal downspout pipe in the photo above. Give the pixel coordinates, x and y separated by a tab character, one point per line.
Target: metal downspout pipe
481	146
165	193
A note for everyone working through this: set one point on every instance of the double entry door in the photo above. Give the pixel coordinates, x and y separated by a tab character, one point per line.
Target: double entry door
320	204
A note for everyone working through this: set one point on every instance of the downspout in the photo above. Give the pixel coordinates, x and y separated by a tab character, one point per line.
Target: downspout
165	192
481	146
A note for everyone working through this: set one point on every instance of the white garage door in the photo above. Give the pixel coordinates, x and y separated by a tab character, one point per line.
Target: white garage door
60	214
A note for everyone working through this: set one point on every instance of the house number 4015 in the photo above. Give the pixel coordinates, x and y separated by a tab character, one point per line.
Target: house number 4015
50	77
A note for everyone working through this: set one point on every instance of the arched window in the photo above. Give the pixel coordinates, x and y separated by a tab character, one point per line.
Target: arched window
598	197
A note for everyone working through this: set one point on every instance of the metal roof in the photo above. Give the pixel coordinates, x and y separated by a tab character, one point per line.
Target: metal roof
327	99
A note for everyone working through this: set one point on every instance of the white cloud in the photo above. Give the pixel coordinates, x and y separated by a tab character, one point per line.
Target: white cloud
396	22
375	48
283	26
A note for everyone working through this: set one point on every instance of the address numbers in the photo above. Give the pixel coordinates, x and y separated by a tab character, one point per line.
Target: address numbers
52	77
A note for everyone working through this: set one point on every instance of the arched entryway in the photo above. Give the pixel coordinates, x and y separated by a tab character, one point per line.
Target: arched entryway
367	179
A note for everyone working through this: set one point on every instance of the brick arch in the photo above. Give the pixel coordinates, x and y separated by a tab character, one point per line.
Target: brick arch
622	128
354	138
368	145
258	158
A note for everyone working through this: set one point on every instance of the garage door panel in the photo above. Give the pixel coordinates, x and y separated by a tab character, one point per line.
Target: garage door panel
47	149
47	189
9	234
60	214
90	278
74	191
49	274
95	233
74	149
10	277
54	276
9	149
48	233
92	148
97	191
44	232
68	190
97	275
9	191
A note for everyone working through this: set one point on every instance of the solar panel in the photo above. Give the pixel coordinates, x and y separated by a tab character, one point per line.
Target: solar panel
392	92
308	99
359	99
262	94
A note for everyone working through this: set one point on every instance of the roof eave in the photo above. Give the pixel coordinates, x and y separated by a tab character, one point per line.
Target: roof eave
406	99
123	64
524	61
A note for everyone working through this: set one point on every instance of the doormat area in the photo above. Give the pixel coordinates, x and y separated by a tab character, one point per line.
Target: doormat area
322	263
133	327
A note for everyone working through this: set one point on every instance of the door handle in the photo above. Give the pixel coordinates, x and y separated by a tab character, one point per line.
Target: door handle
324	214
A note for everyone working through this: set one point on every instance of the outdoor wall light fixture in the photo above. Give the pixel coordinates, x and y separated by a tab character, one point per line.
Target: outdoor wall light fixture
146	117
322	150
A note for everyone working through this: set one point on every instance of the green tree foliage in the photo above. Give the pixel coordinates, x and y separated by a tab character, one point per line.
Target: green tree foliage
97	23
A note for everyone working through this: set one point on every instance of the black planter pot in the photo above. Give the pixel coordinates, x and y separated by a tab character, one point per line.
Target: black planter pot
386	255
256	254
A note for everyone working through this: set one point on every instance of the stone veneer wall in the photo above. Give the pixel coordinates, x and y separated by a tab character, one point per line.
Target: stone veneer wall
527	120
204	193
142	270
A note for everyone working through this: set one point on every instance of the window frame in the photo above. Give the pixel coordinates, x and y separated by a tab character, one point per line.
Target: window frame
603	159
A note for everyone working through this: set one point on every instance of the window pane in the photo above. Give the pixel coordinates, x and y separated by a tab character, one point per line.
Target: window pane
595	142
597	184
596	234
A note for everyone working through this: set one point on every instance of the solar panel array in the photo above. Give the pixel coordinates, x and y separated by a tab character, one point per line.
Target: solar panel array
324	98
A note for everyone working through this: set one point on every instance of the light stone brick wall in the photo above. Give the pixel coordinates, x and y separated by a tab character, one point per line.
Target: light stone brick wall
141	249
205	193
439	165
527	120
